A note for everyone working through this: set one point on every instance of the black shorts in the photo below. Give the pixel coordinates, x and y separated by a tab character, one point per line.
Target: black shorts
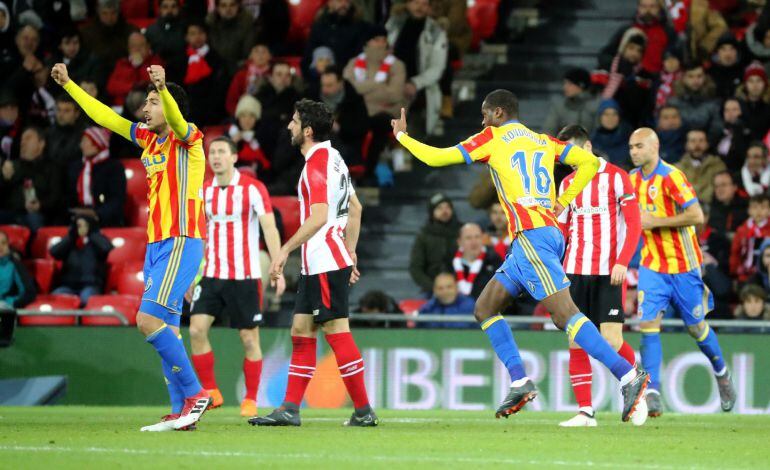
597	298
239	301
324	295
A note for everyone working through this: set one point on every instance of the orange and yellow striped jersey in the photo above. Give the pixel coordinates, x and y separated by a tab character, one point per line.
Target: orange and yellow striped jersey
175	168
664	193
521	165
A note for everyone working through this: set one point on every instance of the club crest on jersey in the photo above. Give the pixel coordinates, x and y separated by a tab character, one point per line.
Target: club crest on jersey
652	191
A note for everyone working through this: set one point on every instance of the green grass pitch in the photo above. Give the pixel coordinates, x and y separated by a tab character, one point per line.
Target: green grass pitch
94	437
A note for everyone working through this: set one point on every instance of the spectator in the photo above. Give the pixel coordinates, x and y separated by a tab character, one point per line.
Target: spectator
277	96
497	237
729	208
83	252
694	96
699	166
250	77
107	34
447	300
735	135
705	27
473	264
425	63
351	120
651	20
97	183
133	110
63	137
757	37
377	301
81	64
323	58
755	173
379	77
611	136
671	133
271	22
451	15
726	69
755	100
761	277
577	106
231	33
671	73
10	124
245	134
17	288
715	248
337	27
30	186
8	59
132	70
166	34
436	243
748	237
753	304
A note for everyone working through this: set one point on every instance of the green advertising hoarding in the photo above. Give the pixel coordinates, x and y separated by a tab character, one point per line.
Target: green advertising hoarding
405	369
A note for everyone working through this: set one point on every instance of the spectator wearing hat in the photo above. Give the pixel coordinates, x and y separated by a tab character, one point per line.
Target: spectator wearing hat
107	34
672	71
230	33
576	106
323	58
97	183
436	244
755	100
250	77
726	69
612	133
699	166
130	70
758	36
694	96
245	133
671	134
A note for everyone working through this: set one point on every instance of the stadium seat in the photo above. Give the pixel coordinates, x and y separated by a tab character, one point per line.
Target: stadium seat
288	206
129	244
132	9
482	16
128	305
127	278
46	303
136	179
210	133
302	14
247	170
18	236
45	238
410	307
136	214
42	269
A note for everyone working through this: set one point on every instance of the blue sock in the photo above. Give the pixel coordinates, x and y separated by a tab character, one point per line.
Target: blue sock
500	336
709	345
584	333
175	392
652	356
172	351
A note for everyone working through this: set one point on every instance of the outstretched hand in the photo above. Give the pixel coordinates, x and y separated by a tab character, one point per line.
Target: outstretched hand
158	76
399	125
59	74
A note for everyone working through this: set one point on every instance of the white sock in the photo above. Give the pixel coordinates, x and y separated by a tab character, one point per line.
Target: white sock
628	377
519	382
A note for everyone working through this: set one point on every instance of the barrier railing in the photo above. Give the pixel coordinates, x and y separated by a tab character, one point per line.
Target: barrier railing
76	313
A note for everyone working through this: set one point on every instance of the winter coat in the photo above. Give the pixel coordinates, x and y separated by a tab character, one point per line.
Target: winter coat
432	252
728	217
726	79
63	143
756	114
126	76
463	305
580	109
660	36
705	27
17	288
614	143
757	48
380	97
432	60
232	38
744	248
45	178
761	277
452	16
672	144
701	175
84	66
166	37
699	110
492	261
86	266
344	35
108	186
108	43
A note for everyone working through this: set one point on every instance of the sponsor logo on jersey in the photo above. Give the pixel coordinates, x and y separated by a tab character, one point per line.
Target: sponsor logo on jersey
316	312
614	312
591	210
257	317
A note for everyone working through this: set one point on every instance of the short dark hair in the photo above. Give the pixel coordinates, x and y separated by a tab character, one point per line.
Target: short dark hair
65	98
317	116
179	95
760	198
504	100
698	129
375	300
752	291
36	129
757	143
574	132
69	32
669	106
723	173
227	140
692	65
333	70
198	24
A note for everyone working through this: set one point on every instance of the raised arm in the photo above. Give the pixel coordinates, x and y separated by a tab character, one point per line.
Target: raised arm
431	156
179	126
101	114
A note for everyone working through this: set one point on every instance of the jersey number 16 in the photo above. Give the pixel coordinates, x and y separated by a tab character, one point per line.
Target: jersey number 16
542	178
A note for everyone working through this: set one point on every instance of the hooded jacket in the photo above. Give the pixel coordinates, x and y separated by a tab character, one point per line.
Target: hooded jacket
434	248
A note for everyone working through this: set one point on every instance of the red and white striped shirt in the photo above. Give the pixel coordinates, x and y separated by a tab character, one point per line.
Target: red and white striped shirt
232	214
325	180
597	238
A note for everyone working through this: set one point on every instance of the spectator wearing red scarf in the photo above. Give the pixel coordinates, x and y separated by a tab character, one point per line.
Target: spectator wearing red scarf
244	132
250	77
131	70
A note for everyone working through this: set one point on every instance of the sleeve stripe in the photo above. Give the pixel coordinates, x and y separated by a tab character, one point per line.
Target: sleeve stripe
189	131
689	203
564	152
466	155
133	134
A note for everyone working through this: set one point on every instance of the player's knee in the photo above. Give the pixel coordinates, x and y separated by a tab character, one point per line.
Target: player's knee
697	330
197	333
481	311
147	324
615	339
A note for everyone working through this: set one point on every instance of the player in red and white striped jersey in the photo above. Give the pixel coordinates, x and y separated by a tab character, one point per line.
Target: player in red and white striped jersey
331	222
602	226
231	287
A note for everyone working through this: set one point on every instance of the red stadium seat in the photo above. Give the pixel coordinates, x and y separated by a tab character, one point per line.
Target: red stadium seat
210	133
132	9
247	170
136	179
45	238
482	16
129	244
46	303
410	307
302	14
42	270
18	236
288	206
128	278
128	305
137	214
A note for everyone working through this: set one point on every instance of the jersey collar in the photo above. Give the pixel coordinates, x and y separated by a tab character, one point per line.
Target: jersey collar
233	180
319	145
602	164
653	172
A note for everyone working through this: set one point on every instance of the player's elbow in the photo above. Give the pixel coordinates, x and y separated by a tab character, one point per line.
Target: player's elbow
696	214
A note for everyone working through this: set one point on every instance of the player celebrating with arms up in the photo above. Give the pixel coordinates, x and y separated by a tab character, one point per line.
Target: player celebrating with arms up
331	221
521	163
671	262
173	157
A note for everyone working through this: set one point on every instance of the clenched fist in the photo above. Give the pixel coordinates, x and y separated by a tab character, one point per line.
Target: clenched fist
59	74
157	76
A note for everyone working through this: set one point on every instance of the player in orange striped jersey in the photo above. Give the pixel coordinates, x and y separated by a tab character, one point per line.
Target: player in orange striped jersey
173	157
521	163
671	262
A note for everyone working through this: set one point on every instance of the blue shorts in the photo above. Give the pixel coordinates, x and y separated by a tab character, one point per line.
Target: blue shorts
170	267
685	291
533	264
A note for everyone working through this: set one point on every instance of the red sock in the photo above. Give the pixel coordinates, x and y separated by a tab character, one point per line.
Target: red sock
351	366
251	372
580	376
301	368
204	366
627	353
